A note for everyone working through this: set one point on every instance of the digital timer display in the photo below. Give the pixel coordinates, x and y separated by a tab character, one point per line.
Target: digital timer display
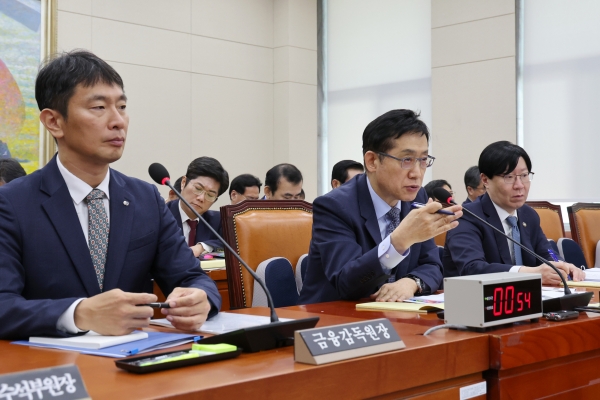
511	299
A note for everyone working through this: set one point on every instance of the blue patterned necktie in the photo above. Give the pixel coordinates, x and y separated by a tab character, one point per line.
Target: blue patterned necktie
516	235
98	228
393	218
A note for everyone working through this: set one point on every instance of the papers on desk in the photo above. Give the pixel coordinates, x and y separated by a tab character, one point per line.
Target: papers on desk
400	306
225	322
90	340
431	299
592	274
149	341
215	263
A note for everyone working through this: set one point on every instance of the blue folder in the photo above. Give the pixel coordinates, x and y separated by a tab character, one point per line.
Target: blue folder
155	341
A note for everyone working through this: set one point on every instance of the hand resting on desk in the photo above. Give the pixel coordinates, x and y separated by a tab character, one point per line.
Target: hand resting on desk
189	308
114	312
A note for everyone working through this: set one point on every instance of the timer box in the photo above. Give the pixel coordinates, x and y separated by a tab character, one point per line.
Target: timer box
481	301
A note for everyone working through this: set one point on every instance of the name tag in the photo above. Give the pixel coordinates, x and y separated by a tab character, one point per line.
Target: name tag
342	342
63	383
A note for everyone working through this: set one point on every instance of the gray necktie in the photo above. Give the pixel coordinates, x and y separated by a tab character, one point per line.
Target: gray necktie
393	218
98	228
516	235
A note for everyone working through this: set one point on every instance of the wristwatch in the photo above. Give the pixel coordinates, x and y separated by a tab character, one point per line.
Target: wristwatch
419	282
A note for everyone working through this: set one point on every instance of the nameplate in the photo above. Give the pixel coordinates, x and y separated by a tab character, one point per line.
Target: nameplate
64	383
342	342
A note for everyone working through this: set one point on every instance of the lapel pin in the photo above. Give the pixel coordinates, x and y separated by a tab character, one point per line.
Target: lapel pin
524	224
125	203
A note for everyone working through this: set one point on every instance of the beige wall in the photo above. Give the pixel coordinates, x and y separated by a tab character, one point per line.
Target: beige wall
473	83
230	79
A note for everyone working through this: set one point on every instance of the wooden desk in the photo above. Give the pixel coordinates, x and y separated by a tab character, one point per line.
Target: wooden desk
430	367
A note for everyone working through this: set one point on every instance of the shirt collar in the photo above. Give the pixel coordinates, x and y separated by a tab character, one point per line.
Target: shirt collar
381	207
183	215
78	189
502	213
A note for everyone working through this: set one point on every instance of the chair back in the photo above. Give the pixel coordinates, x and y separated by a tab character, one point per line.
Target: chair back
301	271
584	219
440	240
551	220
259	230
278	275
571	252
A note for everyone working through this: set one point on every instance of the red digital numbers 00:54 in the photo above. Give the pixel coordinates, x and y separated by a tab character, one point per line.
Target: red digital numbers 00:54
506	301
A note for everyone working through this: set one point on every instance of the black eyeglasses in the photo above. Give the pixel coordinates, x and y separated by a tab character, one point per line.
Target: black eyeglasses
409	162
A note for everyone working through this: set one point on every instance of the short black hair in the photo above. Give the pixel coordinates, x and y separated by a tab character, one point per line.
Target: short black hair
10	169
241	182
177	184
59	76
434	185
340	169
501	157
288	171
208	166
380	133
472	177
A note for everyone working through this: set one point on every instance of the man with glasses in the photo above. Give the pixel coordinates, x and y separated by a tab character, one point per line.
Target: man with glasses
473	184
203	183
474	248
244	187
367	239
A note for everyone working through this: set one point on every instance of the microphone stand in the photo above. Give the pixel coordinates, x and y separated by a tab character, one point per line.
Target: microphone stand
254	338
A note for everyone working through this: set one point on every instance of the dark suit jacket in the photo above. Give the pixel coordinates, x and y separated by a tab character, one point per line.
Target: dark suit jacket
467	201
343	261
474	248
45	263
203	234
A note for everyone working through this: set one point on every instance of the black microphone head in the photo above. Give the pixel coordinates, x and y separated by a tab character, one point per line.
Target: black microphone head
443	196
158	173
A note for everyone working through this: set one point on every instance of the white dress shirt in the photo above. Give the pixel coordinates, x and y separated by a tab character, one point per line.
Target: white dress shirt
79	190
388	256
503	214
187	229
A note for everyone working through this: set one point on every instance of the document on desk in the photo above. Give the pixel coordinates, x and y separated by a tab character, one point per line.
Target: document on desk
143	342
90	340
592	274
400	306
225	322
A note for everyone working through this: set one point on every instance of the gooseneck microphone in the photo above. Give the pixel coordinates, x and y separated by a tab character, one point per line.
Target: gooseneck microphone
160	175
251	339
569	301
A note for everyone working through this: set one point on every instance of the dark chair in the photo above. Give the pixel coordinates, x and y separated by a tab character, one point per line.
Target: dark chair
259	230
584	219
571	252
278	275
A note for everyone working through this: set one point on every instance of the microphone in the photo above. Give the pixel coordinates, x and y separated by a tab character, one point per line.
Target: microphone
570	300
280	331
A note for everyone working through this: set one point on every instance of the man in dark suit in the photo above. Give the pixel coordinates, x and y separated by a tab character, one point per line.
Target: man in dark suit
473	184
203	183
365	233
474	248
78	239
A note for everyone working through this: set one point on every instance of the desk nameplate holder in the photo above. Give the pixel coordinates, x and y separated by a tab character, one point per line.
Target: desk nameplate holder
64	383
345	341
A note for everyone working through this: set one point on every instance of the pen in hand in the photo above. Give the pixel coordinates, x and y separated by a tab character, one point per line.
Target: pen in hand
155	305
421	205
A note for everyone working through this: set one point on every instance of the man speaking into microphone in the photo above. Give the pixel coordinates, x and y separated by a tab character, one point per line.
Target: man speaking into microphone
367	239
474	248
78	240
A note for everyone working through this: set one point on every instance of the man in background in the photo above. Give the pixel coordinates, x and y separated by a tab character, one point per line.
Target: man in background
345	170
473	184
437	183
244	187
283	182
10	169
203	183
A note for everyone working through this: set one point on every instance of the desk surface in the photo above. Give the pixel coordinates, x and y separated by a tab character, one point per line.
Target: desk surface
560	357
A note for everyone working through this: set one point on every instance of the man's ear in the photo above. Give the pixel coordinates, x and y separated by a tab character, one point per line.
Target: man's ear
53	121
371	161
268	193
485	180
335	183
